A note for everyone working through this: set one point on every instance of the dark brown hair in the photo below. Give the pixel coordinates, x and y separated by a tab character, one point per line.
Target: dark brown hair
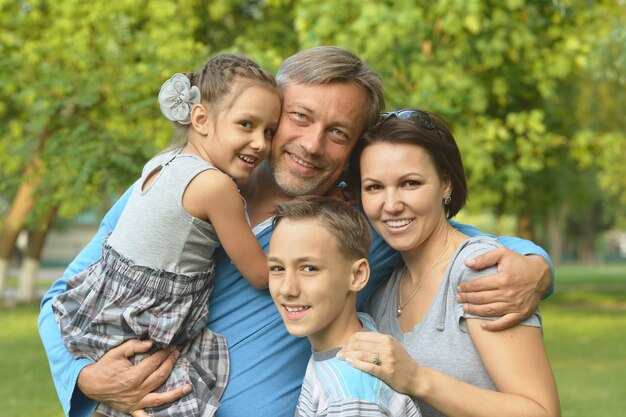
430	133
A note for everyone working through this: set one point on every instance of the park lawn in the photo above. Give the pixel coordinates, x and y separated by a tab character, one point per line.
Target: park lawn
26	385
584	331
585	336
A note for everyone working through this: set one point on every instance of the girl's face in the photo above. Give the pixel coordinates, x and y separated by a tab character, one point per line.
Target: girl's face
402	193
242	135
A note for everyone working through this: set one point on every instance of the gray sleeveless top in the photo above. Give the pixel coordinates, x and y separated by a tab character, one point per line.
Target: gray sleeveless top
441	340
155	230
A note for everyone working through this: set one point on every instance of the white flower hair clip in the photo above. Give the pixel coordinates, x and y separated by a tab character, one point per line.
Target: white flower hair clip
177	97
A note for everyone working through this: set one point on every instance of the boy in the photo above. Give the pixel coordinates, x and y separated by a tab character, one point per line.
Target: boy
318	263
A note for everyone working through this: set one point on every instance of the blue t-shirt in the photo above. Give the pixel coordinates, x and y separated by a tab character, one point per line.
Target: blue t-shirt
267	364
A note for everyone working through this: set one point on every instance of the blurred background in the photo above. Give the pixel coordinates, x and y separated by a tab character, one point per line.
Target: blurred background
535	92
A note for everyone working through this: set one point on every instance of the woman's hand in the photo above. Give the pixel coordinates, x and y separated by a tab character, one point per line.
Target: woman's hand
383	357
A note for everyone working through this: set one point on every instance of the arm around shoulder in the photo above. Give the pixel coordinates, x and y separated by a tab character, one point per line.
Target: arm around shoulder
515	289
541	268
537	258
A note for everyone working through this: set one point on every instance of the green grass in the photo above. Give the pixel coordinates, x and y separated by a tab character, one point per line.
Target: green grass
11	282
26	386
585	335
584	330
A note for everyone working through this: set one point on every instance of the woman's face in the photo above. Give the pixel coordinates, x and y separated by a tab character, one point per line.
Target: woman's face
402	193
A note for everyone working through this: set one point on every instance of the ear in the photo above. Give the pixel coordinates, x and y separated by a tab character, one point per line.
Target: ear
447	186
360	275
201	118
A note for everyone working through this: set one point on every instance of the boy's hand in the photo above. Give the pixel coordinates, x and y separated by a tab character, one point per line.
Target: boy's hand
514	292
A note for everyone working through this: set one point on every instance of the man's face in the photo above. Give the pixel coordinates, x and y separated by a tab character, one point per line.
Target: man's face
318	129
310	281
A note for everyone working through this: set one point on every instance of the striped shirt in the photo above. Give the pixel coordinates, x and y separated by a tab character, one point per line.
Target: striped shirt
332	387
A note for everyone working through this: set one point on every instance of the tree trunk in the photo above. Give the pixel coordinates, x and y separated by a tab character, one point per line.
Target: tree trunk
587	237
27	281
4	270
21	207
557	221
27	286
525	226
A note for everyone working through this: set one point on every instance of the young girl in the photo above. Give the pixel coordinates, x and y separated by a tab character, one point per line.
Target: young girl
411	183
156	272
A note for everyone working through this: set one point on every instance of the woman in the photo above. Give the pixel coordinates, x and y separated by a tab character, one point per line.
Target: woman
411	182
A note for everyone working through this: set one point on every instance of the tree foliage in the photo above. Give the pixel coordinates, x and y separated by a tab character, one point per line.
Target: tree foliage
533	90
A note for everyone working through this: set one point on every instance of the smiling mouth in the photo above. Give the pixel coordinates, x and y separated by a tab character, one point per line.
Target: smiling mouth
301	161
247	158
295	309
398	223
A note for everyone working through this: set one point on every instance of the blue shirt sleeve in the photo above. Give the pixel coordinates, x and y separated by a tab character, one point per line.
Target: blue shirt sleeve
523	246
63	366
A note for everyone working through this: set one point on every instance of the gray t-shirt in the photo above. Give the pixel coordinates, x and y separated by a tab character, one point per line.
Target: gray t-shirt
441	340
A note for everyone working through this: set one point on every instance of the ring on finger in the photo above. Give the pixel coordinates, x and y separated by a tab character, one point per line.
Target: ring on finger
377	361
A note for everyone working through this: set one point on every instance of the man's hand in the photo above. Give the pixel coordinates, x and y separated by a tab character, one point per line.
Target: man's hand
114	380
513	293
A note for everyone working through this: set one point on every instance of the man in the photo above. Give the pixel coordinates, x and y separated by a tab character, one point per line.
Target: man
329	98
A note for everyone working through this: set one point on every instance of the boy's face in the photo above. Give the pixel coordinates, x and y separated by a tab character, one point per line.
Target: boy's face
311	281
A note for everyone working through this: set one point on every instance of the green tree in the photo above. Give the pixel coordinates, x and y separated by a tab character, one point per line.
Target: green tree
529	88
78	83
78	88
509	76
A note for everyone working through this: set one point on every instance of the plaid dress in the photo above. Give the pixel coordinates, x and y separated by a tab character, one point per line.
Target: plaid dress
114	301
153	283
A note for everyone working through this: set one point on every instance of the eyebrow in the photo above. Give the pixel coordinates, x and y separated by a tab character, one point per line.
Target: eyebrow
300	106
402	177
338	123
248	116
298	260
309	259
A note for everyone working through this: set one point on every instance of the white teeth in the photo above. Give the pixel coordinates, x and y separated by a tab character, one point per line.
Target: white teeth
295	309
248	159
397	223
301	162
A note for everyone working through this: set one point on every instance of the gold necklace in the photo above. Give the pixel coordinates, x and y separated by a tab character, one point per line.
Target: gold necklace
403	304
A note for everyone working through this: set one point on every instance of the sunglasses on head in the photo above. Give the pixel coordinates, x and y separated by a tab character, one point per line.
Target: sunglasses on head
421	118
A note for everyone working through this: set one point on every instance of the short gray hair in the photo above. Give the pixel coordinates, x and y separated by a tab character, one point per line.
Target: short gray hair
332	64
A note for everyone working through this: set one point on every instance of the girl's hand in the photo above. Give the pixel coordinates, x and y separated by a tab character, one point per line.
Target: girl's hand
382	356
